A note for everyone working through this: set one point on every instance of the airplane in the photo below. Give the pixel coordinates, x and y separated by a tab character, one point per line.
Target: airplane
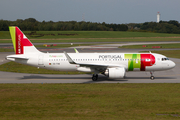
112	65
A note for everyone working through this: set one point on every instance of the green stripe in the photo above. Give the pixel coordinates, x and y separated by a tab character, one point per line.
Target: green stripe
131	67
132	63
13	36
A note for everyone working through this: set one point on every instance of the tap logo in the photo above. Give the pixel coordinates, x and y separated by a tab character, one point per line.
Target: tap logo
139	61
19	44
21	41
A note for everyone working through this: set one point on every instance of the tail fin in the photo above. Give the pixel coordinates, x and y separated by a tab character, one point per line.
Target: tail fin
22	44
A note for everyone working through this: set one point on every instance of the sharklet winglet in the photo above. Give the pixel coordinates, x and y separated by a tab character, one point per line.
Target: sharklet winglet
76	50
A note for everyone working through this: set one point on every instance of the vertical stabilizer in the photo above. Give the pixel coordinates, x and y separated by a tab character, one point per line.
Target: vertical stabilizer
21	43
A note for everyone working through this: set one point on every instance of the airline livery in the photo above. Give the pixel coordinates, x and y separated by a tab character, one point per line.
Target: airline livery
112	65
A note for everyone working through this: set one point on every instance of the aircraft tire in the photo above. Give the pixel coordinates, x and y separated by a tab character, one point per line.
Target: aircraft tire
152	77
94	77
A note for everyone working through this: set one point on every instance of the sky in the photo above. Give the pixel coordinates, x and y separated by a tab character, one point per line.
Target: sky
108	11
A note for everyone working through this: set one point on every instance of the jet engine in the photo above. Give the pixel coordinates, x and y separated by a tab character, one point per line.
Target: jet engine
115	72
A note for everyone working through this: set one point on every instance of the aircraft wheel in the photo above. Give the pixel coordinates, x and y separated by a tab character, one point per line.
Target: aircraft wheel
94	77
152	77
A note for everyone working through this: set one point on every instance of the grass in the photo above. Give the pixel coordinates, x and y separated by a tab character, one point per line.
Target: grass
169	53
89	101
42	46
149	46
6	50
94	36
89	34
100	34
5	35
72	40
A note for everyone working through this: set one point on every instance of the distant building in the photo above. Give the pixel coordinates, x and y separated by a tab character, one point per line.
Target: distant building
158	17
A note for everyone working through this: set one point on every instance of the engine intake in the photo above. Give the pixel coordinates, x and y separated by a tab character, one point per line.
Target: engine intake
115	72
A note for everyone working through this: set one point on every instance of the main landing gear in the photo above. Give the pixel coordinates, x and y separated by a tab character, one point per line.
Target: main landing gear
152	77
95	77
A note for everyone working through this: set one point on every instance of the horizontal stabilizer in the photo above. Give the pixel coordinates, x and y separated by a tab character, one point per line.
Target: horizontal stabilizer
17	57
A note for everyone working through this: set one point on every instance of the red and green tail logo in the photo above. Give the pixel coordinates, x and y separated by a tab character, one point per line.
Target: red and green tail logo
19	40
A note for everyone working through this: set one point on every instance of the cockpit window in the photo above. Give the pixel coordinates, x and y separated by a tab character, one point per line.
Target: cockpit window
163	59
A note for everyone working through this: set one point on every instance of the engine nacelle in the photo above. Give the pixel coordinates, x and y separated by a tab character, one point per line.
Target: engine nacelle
115	72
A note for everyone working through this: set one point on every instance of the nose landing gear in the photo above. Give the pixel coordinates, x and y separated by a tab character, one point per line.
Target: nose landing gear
152	77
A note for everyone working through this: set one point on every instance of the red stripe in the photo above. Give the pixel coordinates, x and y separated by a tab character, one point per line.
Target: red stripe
21	42
146	63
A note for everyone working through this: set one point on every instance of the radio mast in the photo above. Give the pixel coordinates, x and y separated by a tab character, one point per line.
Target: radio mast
158	17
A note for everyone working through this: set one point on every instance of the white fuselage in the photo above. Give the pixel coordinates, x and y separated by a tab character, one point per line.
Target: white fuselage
58	61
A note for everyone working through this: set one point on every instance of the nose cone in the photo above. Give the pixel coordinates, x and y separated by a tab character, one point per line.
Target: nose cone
171	64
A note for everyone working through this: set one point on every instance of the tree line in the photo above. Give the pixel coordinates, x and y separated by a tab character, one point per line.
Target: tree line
32	24
171	26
